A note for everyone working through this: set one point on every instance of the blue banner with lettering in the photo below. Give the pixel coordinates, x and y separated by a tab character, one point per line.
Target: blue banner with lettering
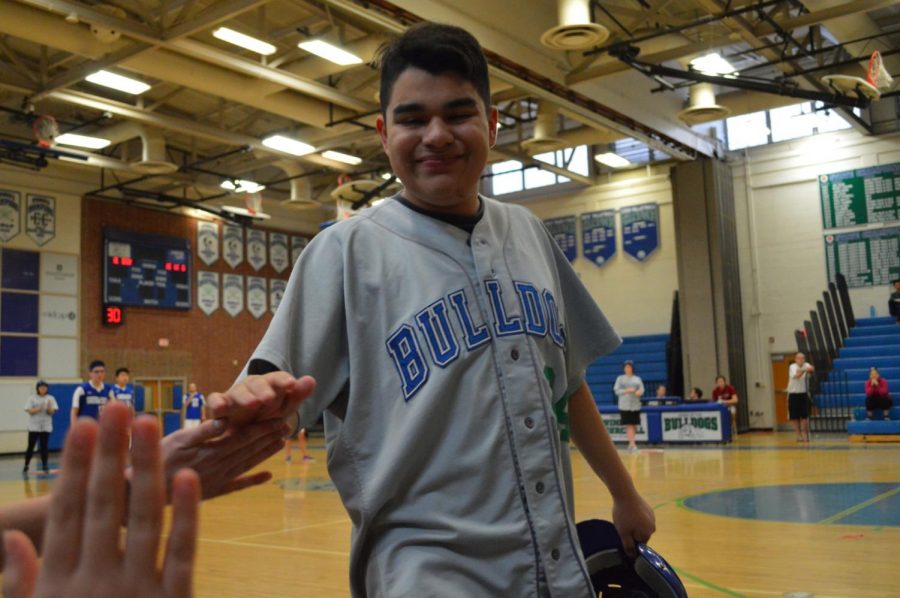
598	236
640	230
563	232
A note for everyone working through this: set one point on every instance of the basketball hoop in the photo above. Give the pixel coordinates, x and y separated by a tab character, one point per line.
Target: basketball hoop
877	75
45	130
253	203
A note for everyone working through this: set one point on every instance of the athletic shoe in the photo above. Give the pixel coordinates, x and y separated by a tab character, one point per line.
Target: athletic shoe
308	459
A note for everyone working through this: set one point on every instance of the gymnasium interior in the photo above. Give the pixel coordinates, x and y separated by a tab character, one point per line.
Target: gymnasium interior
723	176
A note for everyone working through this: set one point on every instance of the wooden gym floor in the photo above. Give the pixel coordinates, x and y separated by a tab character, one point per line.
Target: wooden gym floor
761	517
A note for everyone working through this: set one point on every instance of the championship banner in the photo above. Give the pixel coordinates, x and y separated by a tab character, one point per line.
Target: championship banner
40	218
616	429
298	244
276	293
208	291
256	248
233	293
208	242
598	236
233	244
278	251
257	296
640	230
563	232
691	426
10	215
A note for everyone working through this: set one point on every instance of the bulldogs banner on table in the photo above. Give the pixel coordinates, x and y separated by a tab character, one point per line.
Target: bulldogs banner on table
233	244
640	230
10	215
208	242
276	293
233	293
257	296
256	248
208	291
616	429
298	244
598	236
278	251
691	426
563	231
40	218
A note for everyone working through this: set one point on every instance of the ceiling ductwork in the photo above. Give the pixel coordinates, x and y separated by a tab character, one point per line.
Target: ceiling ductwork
301	188
545	138
153	151
575	31
702	107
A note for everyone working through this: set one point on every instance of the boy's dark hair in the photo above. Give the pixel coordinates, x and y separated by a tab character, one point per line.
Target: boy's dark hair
96	364
436	49
699	392
120	370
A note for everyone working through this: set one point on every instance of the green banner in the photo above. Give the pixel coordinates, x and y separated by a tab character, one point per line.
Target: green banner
865	258
854	197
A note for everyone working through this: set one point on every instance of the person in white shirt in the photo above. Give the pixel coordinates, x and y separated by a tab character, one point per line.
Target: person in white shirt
798	396
40	408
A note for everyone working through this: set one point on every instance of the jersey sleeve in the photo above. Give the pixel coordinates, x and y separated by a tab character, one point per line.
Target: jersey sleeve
589	334
77	398
308	334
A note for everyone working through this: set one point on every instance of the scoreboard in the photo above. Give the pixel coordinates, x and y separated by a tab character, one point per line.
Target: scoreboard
146	270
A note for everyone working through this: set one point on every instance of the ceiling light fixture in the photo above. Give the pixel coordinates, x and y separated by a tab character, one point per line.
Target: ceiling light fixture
713	64
612	160
242	186
340	157
86	141
244	41
118	82
288	145
330	52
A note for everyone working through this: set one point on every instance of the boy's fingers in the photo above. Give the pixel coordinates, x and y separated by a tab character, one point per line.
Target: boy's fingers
182	545
211	428
21	568
147	501
247	481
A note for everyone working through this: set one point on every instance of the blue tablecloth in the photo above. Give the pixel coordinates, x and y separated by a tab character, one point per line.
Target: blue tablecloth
687	423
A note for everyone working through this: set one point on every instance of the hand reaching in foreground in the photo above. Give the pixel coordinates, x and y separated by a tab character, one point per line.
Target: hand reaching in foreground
276	395
635	521
82	557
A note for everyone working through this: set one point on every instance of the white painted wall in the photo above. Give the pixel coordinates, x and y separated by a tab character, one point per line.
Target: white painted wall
780	235
636	297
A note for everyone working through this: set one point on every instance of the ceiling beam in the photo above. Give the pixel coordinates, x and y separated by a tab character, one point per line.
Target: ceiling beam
221	10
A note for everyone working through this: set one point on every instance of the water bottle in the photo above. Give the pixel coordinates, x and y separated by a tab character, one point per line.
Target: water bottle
871	311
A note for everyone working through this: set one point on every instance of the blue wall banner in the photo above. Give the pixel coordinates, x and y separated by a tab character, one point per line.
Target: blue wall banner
563	232
598	236
640	230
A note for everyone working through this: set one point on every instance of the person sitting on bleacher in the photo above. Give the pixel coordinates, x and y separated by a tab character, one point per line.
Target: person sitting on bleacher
894	303
877	396
696	395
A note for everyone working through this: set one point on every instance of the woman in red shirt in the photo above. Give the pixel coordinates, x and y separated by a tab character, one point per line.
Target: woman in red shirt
877	396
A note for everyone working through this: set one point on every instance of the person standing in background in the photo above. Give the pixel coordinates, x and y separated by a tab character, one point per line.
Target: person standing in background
894	302
798	396
123	390
40	408
629	388
193	408
877	396
89	398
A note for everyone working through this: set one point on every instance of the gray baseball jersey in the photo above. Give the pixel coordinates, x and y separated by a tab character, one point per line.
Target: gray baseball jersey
443	363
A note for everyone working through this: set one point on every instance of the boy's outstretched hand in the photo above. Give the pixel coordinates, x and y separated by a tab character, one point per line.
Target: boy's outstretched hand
276	395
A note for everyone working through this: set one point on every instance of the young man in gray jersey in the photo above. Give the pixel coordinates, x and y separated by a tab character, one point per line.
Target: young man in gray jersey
455	322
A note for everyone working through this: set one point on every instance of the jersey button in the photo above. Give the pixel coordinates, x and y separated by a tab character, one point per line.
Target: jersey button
539	487
514	354
554	554
529	423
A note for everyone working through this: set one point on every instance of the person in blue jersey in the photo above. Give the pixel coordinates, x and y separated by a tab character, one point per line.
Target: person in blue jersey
123	390
90	397
193	408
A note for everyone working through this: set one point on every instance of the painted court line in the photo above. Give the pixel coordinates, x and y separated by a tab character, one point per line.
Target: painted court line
276	547
287	529
859	507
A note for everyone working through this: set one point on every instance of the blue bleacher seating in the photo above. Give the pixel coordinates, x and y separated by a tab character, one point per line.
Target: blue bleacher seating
648	353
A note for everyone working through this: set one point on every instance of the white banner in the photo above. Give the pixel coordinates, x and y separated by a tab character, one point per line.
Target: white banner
278	251
276	293
298	244
233	293
257	296
59	315
40	218
59	273
208	291
208	241
10	215
617	431
256	248
691	426
233	244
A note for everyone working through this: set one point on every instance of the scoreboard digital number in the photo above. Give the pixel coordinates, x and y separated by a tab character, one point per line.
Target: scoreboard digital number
145	270
112	315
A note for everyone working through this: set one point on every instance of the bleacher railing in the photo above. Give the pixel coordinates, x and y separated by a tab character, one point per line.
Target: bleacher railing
832	409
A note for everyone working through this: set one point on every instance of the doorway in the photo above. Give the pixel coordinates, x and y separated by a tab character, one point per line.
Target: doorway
781	363
161	395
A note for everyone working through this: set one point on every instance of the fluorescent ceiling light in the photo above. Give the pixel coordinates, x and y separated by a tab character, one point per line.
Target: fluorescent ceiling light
288	145
713	64
82	141
114	81
244	41
345	158
242	186
612	160
330	52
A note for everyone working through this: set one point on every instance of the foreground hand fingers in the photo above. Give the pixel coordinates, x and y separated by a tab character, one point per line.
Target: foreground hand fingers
21	565
106	490
62	536
178	569
146	501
